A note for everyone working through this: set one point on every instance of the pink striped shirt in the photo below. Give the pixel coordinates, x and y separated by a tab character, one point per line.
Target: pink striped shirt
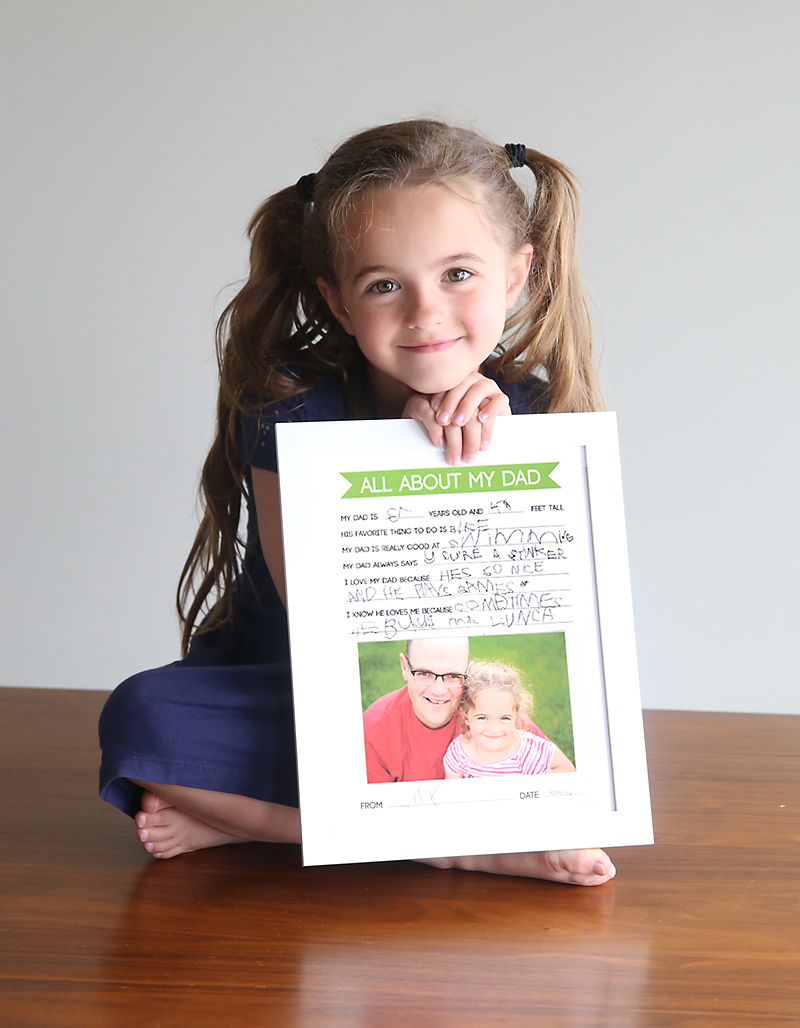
533	757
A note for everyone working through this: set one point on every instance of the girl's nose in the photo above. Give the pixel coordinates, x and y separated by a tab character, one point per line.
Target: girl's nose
423	310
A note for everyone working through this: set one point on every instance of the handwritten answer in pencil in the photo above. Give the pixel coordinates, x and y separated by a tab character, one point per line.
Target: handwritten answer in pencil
414	568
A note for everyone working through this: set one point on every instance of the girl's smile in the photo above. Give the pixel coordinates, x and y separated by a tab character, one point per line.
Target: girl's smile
426	288
435	346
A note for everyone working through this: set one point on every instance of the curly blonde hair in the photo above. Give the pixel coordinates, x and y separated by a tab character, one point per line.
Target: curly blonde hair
484	674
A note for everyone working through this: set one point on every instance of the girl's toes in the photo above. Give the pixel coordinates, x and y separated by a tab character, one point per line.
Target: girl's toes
170	851
583	870
151	803
162	817
158	836
589	879
603	869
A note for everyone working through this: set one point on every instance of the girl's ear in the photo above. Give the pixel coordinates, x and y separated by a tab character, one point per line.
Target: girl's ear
331	296
518	268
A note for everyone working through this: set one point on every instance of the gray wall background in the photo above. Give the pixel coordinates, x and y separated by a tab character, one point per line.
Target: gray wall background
138	138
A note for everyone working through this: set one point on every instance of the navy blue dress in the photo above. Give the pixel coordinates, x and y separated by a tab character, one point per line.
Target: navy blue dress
222	717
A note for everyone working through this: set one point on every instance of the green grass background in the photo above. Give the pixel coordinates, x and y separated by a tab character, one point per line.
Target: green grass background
541	659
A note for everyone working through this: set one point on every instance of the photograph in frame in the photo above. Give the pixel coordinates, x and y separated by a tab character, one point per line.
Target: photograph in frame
529	672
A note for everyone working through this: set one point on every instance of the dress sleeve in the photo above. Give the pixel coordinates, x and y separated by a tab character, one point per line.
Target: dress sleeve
525	396
257	434
323	402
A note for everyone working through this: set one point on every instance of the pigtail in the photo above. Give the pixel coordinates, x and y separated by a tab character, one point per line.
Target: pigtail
551	329
262	329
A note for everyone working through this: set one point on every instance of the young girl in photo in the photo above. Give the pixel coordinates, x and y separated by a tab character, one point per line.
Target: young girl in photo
493	742
410	277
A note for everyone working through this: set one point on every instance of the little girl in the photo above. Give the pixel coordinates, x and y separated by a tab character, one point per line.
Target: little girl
379	287
493	744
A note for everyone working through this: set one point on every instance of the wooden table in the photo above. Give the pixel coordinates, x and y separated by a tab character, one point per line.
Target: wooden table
701	929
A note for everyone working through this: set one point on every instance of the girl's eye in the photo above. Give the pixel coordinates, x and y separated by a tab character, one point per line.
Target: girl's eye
384	286
458	275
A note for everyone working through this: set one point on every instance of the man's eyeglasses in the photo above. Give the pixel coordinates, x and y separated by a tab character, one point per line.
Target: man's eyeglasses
454	679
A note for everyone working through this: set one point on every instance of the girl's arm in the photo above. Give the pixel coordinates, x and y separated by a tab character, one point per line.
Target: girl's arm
560	761
268	510
451	774
462	419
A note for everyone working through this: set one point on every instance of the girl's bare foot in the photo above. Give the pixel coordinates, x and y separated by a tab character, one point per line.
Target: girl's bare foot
165	831
574	867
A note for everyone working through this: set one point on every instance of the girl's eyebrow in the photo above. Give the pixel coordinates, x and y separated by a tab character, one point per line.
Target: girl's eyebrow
376	269
456	258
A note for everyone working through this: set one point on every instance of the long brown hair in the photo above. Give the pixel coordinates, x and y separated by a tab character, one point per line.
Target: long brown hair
279	319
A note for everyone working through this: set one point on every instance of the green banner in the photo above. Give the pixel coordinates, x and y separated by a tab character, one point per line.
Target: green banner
426	481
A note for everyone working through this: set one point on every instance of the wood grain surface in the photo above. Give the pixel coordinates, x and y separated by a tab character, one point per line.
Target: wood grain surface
700	929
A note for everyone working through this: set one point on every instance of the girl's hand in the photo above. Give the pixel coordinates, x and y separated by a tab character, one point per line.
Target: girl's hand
461	419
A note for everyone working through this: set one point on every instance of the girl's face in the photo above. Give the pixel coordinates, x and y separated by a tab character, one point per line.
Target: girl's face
426	289
492	720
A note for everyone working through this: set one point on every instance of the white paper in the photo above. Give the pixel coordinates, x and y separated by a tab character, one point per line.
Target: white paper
522	562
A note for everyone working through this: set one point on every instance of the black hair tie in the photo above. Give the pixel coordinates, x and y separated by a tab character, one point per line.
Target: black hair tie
305	187
517	153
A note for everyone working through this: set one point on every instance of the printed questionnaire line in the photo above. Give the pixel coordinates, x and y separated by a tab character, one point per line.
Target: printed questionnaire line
485	575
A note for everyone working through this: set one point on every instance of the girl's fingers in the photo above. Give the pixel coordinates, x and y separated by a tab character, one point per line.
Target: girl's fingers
463	443
451	401
471	436
453	438
461	404
419	408
483	403
487	427
491	409
464	421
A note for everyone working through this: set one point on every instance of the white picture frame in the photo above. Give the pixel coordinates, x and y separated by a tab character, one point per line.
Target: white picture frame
406	496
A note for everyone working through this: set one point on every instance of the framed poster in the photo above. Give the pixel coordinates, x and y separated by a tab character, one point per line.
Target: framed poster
462	645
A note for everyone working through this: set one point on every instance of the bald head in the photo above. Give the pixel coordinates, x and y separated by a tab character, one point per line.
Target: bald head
424	650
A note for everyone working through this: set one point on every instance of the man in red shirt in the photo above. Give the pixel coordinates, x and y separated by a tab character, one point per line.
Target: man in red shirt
407	732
